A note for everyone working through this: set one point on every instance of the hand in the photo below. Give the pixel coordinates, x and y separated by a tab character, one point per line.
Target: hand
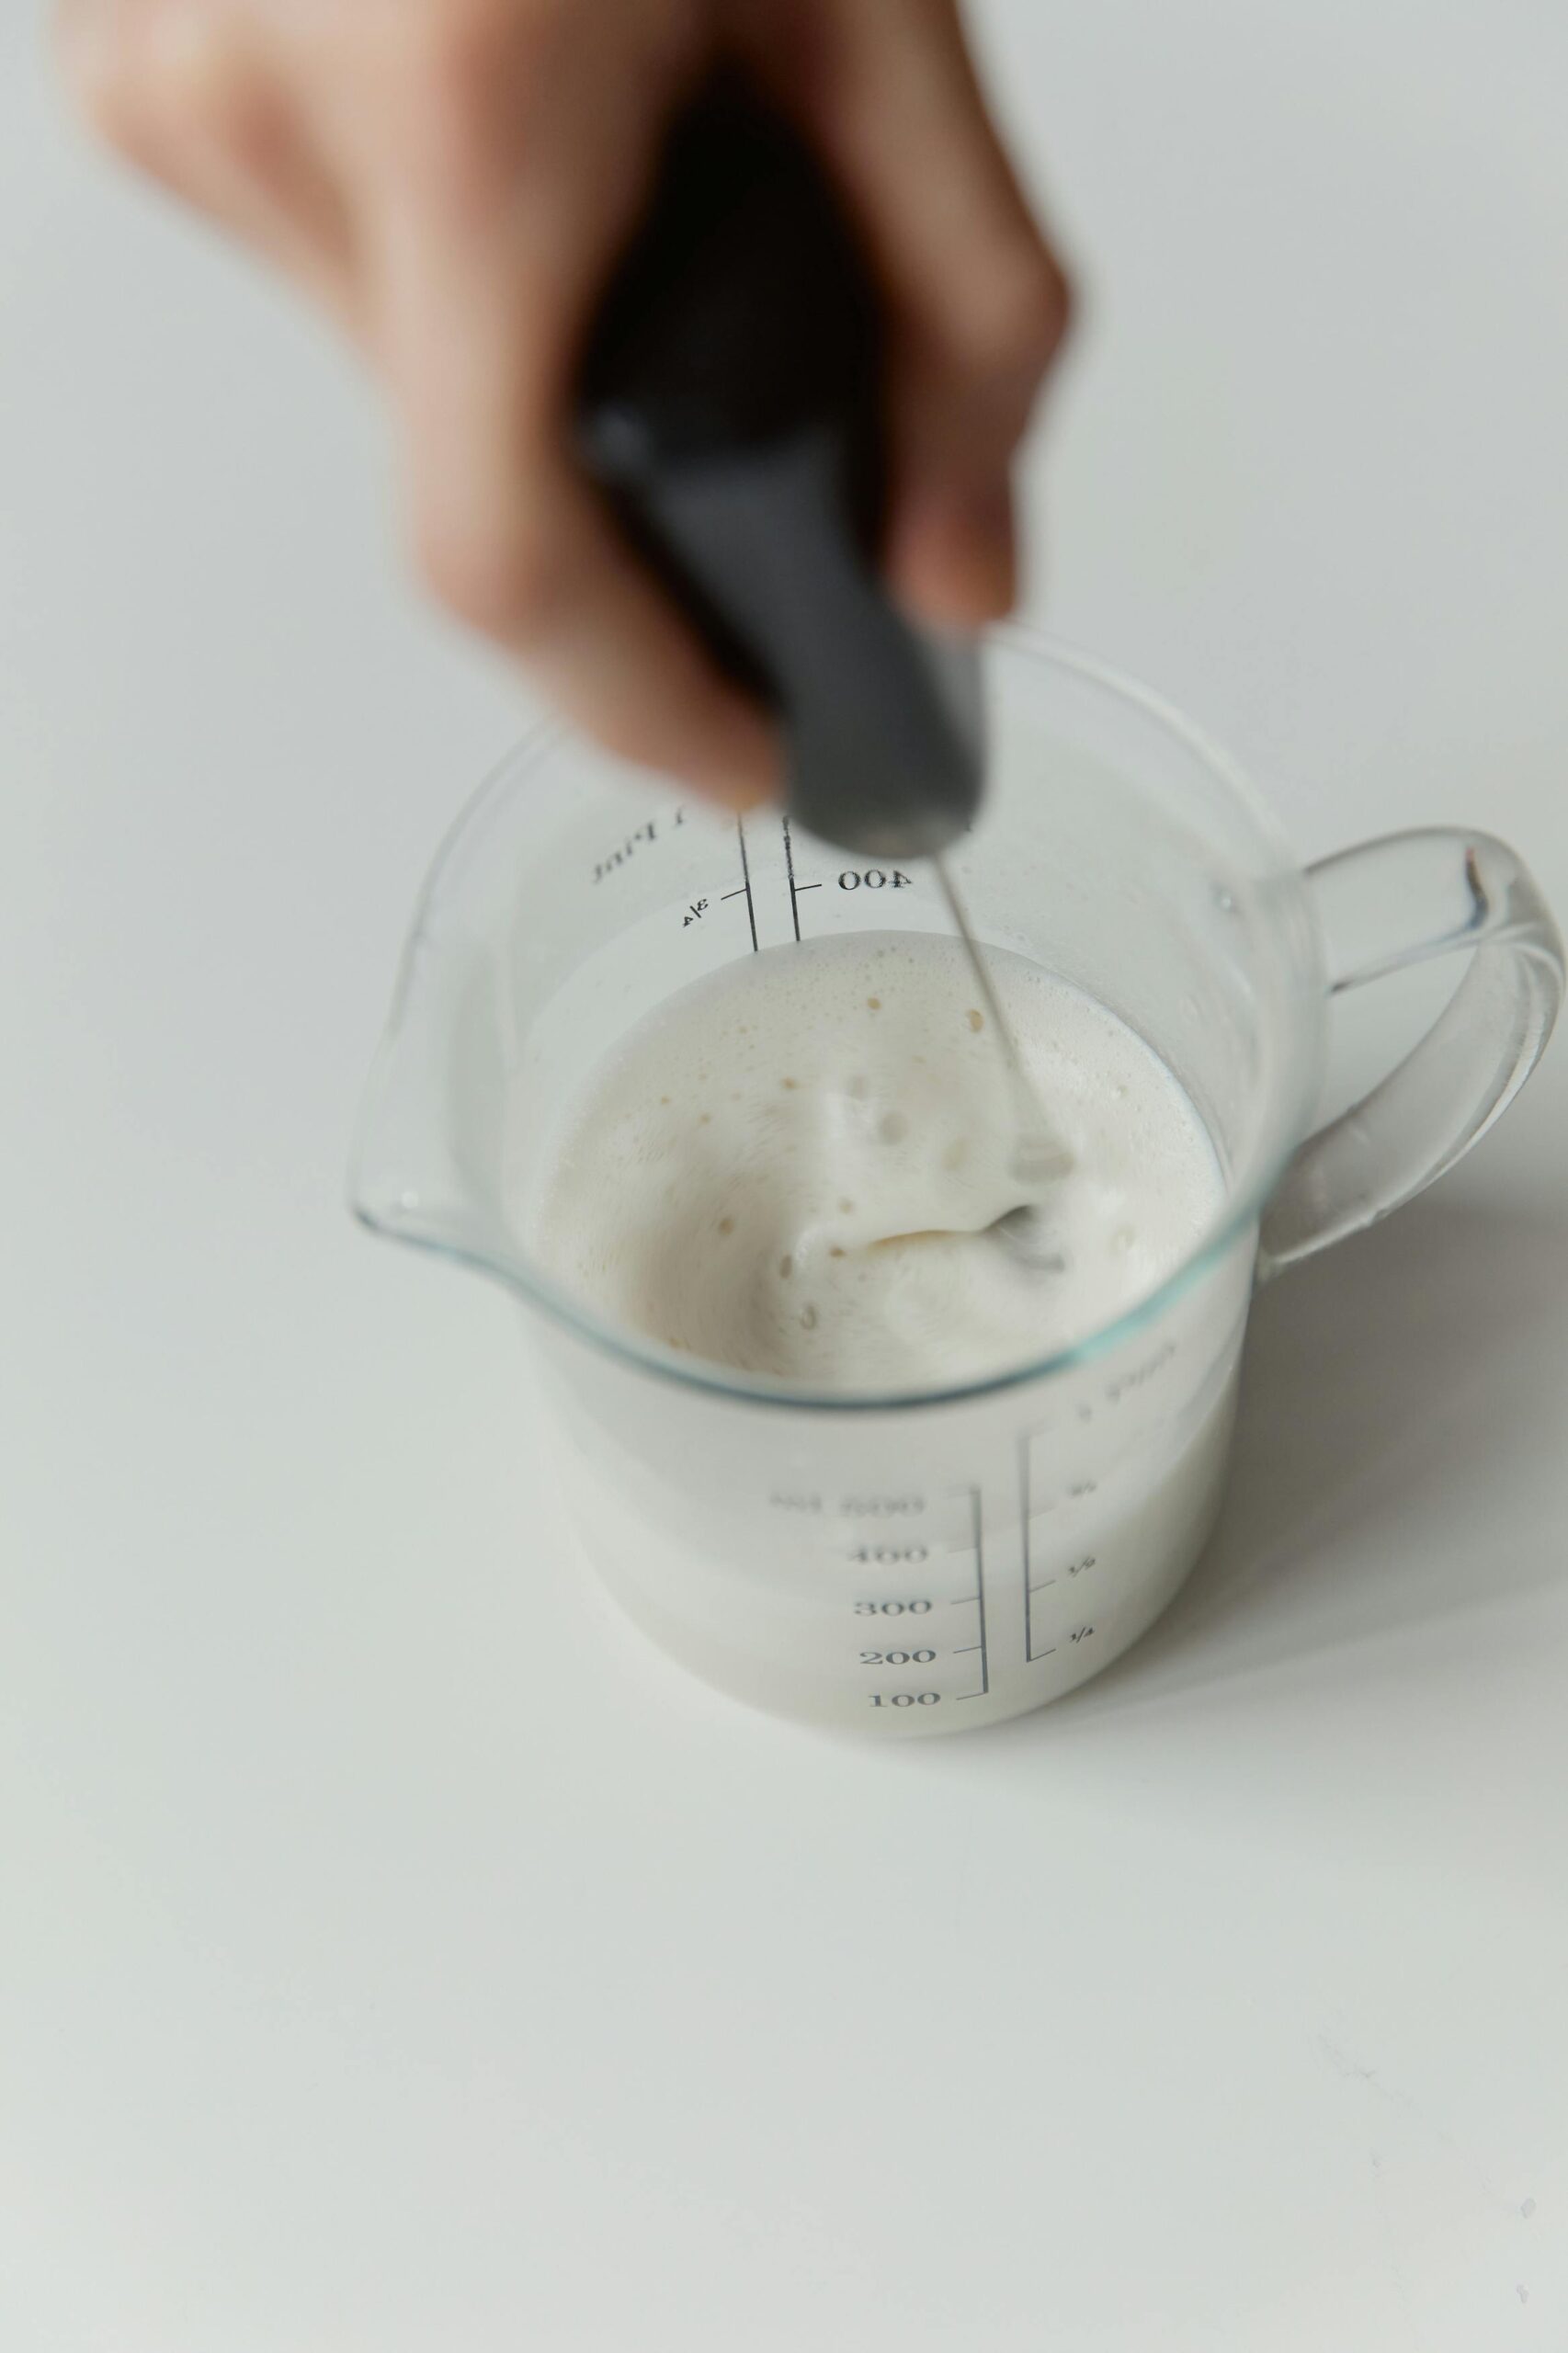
455	179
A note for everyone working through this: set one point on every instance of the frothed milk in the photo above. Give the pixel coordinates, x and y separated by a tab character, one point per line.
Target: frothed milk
791	1168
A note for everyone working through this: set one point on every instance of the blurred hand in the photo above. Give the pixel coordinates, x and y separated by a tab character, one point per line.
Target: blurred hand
455	179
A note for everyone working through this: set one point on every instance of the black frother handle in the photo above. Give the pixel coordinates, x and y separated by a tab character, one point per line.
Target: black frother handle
732	404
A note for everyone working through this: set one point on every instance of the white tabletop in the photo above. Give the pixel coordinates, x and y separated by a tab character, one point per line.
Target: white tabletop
399	1957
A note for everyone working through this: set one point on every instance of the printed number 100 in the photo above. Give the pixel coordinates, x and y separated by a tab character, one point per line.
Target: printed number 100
905	1698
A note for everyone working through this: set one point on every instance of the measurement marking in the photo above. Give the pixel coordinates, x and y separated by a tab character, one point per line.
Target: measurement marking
966	1650
1024	1541
1040	1586
979	1596
745	871
790	865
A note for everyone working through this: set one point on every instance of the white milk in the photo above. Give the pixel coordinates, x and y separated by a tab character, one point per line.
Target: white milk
790	1169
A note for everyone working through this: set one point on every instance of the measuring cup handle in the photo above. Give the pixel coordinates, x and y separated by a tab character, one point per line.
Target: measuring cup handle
1435	891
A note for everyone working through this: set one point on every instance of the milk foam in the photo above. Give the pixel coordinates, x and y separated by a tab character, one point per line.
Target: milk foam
788	1168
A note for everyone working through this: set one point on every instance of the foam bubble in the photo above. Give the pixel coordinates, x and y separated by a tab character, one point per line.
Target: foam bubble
810	1068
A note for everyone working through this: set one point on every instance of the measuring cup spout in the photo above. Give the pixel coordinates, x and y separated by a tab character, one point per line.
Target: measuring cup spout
429	1151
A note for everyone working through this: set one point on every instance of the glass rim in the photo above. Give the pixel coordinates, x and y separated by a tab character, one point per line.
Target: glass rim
642	1354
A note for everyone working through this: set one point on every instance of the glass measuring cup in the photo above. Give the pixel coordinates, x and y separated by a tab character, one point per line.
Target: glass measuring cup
936	1560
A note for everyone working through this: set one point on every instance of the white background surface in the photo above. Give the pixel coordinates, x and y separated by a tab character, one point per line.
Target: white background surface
397	1957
